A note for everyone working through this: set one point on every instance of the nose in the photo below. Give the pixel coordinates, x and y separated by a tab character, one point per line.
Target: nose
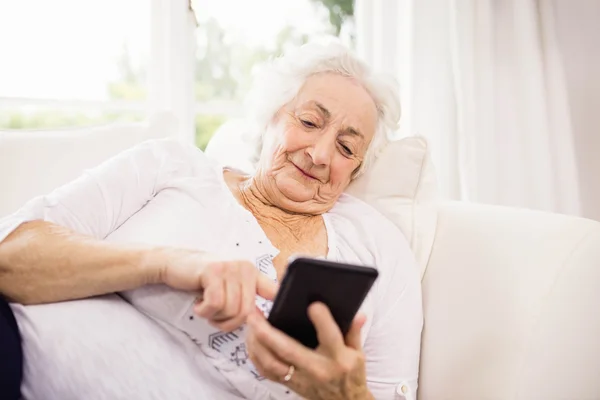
322	150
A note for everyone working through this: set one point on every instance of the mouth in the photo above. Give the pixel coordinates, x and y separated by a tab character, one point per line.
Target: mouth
303	172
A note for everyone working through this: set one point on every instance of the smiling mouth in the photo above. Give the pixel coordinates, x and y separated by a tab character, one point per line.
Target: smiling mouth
304	172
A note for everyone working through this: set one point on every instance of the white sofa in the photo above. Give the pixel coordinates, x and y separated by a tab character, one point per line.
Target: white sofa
33	162
511	297
511	301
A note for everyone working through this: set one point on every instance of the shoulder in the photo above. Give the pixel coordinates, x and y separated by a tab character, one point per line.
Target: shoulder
366	228
168	148
368	221
390	249
170	156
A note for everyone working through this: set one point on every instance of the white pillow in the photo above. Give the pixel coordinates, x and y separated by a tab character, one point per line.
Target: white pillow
401	183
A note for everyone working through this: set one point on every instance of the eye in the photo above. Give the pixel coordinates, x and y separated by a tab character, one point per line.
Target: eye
346	149
308	124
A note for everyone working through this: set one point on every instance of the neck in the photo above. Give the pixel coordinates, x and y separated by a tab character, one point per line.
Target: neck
288	231
255	197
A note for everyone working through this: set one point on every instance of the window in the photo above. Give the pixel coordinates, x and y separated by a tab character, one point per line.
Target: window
233	36
71	62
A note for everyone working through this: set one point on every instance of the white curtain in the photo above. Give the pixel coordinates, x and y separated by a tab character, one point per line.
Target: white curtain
171	71
483	80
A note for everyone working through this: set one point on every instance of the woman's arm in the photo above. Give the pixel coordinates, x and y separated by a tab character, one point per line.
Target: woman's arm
41	262
52	249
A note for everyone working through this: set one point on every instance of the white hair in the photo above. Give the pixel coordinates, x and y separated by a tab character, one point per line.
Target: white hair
280	80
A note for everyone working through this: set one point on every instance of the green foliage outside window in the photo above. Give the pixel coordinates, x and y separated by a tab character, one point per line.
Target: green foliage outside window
340	11
206	126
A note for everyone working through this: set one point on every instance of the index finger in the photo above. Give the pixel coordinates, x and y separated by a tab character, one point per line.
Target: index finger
265	287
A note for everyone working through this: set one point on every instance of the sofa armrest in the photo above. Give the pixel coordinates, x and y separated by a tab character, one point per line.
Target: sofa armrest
511	303
35	162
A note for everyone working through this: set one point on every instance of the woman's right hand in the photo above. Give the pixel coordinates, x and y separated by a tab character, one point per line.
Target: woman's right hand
228	287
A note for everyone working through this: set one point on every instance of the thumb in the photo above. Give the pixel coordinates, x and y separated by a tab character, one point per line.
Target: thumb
353	338
265	287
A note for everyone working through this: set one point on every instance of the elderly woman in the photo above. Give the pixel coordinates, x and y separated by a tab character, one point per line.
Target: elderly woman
195	251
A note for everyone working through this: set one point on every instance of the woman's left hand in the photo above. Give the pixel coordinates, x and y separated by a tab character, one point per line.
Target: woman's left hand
335	370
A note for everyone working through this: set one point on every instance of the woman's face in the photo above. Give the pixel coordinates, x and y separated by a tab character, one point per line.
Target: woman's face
316	142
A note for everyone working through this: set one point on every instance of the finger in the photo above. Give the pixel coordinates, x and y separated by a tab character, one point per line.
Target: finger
243	295
231	306
328	333
265	361
230	318
212	299
248	293
353	337
285	348
229	325
265	287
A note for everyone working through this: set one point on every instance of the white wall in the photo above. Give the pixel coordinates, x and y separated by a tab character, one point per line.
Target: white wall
578	26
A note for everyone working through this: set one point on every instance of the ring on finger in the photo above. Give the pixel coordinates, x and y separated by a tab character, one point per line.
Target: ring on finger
290	373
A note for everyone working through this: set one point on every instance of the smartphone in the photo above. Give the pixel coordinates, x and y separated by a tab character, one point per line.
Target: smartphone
342	287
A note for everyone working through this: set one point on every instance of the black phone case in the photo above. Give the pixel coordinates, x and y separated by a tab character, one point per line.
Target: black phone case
342	287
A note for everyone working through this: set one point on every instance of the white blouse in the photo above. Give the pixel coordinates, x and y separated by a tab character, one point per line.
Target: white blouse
164	193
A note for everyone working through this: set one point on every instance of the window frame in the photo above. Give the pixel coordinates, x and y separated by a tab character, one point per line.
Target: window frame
170	82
